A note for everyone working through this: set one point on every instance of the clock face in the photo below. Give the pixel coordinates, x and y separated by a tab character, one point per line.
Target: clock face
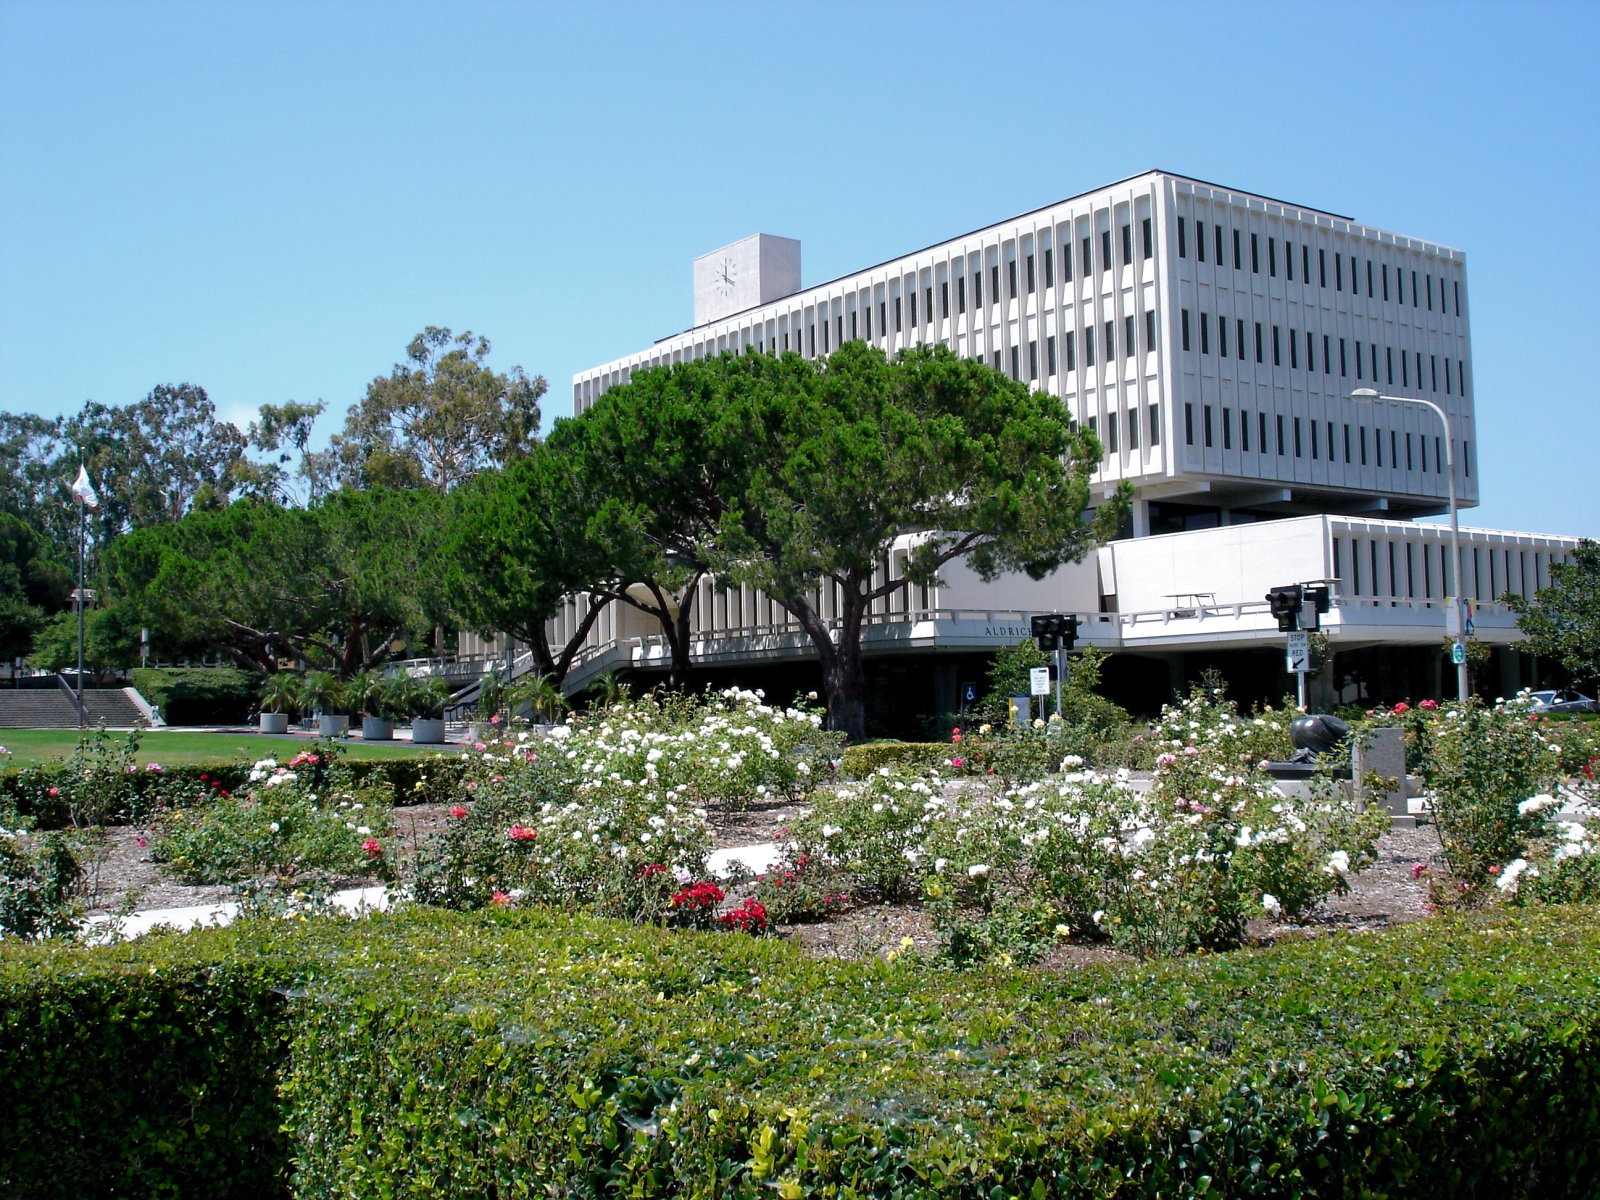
724	275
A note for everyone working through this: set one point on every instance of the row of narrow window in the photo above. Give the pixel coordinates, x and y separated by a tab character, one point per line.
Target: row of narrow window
1416	445
1454	375
1509	570
1111	435
1422	284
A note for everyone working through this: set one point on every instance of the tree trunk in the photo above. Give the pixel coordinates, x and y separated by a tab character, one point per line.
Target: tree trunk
843	680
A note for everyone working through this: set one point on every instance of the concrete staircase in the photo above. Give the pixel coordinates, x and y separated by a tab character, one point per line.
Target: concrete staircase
55	708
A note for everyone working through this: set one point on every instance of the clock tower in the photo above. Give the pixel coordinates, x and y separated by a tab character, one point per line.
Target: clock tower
749	273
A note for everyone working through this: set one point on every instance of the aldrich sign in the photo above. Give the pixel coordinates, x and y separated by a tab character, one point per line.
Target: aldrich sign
1006	631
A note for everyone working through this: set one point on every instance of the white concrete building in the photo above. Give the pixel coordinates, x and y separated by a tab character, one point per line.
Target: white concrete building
1212	338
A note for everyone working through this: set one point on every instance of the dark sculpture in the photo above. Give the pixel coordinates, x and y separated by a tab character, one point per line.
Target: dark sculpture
1316	733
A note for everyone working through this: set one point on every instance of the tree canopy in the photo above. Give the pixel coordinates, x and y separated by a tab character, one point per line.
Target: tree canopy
805	472
1563	620
436	419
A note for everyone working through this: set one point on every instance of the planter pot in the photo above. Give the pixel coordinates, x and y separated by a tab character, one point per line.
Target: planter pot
377	729
274	722
333	725
428	730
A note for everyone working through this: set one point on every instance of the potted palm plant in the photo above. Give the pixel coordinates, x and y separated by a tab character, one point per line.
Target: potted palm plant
369	695
427	699
328	697
280	698
542	697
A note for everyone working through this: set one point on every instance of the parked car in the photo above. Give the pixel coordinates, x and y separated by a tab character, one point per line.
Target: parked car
1566	700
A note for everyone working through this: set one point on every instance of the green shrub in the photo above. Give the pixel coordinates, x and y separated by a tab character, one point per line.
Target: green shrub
497	1054
199	695
39	881
860	761
148	1069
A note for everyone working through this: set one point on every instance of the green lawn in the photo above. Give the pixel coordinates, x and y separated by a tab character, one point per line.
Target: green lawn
176	747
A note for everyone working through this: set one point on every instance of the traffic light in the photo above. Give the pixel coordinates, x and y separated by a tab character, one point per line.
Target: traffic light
1314	601
1054	630
1286	603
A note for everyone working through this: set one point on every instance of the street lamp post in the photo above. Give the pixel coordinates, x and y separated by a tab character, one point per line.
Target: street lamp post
1367	396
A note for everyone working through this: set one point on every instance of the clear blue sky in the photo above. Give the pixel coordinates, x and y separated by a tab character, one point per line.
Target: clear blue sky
269	200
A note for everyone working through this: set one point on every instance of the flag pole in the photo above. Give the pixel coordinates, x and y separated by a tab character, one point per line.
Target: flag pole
83	521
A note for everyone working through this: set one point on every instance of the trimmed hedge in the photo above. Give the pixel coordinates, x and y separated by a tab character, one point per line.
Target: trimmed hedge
527	1053
146	1070
423	779
199	695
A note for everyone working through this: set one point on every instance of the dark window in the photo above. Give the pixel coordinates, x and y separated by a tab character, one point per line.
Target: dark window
1049	268
1414	303
1311	358
1429	279
1071	350
1255	253
1200	240
1133	429
994	281
1384	272
1033	360
897	314
1011	276
928	307
824	335
1342	371
1222	336
1066	261
1205	335
1015	354
1466	459
1206	415
944	298
1111	340
1085	263
1259	343
1294	352
994	360
1358	360
1363	445
883	317
1148	236
1127	244
1183	324
1088	346
1155	424
1355	278
1456	287
1032	283
1314	440
1394	455
1128	344
1369	279
1105	249
1461	375
1327	358
913	308
1338	273
1111	433
1433	370
1150	338
865	312
1305	262
1050	355
1410	466
1227	429
1183	238
1347	443
1388	360
1238	327
1217	240
1188	424
1399	286
1405	370
1261	425
1280	435
852	325
1288	259
1272	258
1277	348
1322	268
961	293
1297	437
1419	369
1244	431
1238	262
1372	349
